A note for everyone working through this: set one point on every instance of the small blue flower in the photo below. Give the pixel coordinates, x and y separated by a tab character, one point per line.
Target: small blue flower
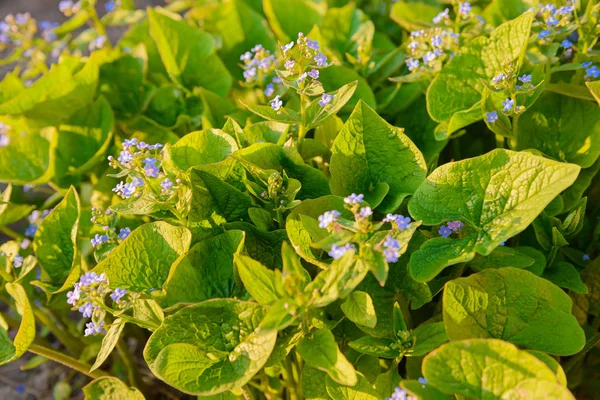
503	243
543	34
302	77
93	329
365	212
118	294
429	57
125	157
137	182
328	219
151	171
166	184
99	239
257	48
399	394
567	44
123	233
585	257
110	6
525	78
20	388
565	10
337	252
412	64
247	56
455	226
354	198
422	380
269	90
491	117
312	44
592	72
413	45
508	104
391	243
464	8
130	142
445	231
276	103
552	21
325	99
74	295
314	73
436	41
87	310
31	230
17	261
321	60
97	43
287	47
441	16
289	64
249	74
498	78
65	6
586	64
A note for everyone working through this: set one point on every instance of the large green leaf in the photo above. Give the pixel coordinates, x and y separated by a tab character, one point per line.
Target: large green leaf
482	368
83	140
359	309
258	280
319	350
143	260
211	196
206	271
208	146
55	242
110	388
11	350
458	87
369	152
563	127
210	347
513	305
288	17
496	195
28	158
187	53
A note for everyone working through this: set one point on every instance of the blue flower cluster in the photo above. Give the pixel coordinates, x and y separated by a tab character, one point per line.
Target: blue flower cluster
389	246
88	296
429	48
450	227
259	65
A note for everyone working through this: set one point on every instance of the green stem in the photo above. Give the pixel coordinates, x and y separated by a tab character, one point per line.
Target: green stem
590	344
66	360
132	371
9	232
302	127
290	383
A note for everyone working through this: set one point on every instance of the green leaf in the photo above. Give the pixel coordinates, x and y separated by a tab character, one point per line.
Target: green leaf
187	53
594	87
565	275
149	311
258	280
359	309
496	195
562	127
205	271
367	152
551	363
413	15
338	27
422	391
201	147
109	341
482	368
458	86
512	305
109	388
83	141
535	389
55	242
378	347
11	350
428	337
288	17
350	84
319	350
211	196
314	384
142	262
362	390
262	246
27	159
210	347
501	257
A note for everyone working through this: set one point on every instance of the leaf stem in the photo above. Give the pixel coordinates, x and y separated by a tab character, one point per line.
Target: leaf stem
302	126
66	360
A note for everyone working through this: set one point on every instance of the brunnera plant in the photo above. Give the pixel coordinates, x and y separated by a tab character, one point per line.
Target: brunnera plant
296	199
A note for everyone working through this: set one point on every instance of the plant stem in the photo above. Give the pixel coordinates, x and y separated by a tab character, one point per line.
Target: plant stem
132	371
99	25
302	127
9	232
73	344
66	360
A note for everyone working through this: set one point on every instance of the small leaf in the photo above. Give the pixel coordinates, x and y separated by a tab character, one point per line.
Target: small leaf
359	309
109	341
109	388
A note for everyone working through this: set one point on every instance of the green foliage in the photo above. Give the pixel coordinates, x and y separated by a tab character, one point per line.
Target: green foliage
303	199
